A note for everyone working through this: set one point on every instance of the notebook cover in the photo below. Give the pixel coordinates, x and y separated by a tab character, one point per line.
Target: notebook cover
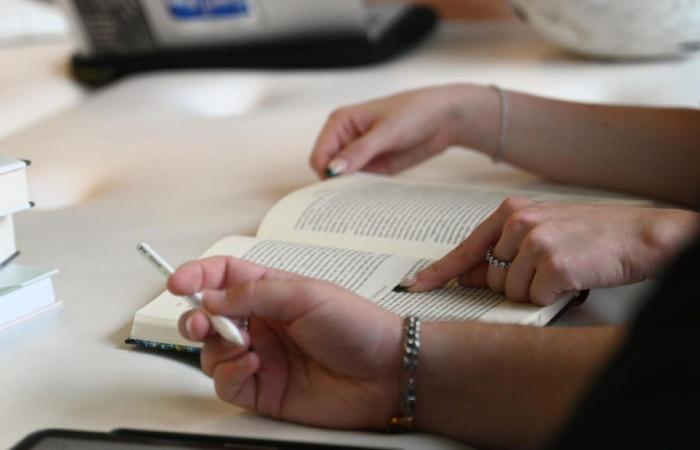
162	346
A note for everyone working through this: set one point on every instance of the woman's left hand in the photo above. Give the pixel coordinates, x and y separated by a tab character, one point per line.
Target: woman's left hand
556	248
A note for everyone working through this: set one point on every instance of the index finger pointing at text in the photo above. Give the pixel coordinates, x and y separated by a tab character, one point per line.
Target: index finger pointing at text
464	257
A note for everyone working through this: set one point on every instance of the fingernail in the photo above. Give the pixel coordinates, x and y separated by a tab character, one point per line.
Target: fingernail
581	298
336	167
188	326
407	282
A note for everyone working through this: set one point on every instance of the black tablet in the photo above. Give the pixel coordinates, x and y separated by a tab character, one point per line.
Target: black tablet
125	439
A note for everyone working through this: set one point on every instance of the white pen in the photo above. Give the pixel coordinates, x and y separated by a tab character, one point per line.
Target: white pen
223	325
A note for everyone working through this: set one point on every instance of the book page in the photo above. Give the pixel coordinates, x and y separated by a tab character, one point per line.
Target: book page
380	214
388	215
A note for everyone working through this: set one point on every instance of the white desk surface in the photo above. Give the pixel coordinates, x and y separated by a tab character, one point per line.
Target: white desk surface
182	159
34	83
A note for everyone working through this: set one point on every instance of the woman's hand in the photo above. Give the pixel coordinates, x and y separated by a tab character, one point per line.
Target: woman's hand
559	248
393	133
315	353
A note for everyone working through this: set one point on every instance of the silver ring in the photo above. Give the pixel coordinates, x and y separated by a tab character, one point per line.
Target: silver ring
492	260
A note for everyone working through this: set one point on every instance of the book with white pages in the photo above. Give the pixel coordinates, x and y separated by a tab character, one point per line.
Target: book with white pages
367	233
14	192
8	245
25	292
8	248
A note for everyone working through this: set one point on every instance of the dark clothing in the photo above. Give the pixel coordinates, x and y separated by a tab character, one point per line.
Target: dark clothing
649	396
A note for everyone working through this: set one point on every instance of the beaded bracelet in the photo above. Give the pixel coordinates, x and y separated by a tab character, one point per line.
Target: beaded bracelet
405	421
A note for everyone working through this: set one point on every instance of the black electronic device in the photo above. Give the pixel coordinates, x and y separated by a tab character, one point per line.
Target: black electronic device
128	439
408	26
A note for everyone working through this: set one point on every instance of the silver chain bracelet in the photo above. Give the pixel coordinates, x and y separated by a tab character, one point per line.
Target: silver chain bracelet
405	421
503	126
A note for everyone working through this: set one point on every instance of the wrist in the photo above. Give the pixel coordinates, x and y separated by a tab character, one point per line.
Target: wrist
393	376
474	114
404	420
437	381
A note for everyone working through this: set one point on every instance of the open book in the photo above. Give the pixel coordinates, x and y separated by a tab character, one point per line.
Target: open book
366	233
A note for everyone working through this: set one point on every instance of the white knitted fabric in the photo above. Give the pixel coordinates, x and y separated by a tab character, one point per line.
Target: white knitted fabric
616	28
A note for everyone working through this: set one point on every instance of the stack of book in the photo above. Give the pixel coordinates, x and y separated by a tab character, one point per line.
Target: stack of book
24	291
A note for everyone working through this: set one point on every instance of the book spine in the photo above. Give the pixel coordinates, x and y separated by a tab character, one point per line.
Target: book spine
162	346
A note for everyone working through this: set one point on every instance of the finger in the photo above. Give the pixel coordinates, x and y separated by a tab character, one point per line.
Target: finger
342	127
217	350
543	290
516	227
460	260
218	273
359	153
274	298
195	326
234	381
335	134
520	275
396	161
382	164
475	277
470	252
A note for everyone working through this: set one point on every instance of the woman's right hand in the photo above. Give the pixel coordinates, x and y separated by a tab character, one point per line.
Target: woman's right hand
315	353
393	133
554	248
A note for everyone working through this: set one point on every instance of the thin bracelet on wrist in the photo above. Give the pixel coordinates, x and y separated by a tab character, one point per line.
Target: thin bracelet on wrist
503	124
405	421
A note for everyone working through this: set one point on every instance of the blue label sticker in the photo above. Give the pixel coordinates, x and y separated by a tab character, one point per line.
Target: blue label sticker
208	9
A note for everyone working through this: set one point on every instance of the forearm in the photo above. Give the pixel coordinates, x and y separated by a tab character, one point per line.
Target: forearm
651	151
505	386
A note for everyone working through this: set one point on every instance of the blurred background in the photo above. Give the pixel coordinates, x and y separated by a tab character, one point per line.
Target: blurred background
35	48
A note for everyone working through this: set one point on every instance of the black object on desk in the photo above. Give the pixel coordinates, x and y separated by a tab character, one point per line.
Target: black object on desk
414	25
126	439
